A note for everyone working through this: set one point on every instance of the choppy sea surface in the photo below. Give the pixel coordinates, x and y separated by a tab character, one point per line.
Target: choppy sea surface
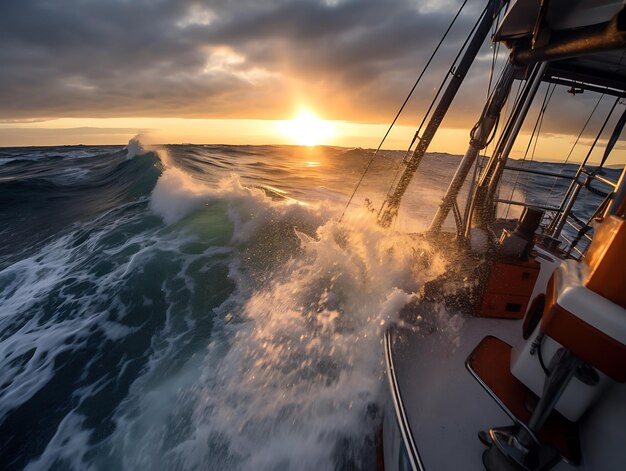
201	307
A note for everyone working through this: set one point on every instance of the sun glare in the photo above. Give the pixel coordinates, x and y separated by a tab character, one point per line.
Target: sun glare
306	129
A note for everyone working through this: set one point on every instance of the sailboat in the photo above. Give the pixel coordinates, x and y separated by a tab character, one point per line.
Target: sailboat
534	377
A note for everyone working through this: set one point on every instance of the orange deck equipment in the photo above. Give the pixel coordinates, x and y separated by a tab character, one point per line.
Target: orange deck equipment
508	289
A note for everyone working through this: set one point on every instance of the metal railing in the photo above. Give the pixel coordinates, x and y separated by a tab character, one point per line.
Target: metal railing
563	214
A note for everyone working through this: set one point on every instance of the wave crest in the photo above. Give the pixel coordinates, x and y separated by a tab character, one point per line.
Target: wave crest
135	147
292	375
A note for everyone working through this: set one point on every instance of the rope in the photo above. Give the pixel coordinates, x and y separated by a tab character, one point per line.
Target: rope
509	120
406	100
482	116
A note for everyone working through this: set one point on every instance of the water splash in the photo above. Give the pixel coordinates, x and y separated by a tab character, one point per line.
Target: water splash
291	377
135	147
188	320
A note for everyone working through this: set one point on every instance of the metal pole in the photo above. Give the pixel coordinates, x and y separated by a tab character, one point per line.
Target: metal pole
554	230
541	172
618	205
521	203
458	75
577	185
602	37
487	121
534	86
550	230
495	166
489	167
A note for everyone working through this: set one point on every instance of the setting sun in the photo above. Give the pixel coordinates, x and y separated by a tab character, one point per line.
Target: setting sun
306	129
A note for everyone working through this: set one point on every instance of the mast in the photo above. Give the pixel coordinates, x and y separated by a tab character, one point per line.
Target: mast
482	209
392	203
483	130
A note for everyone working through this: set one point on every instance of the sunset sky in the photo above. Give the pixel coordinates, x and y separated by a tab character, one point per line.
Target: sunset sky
217	71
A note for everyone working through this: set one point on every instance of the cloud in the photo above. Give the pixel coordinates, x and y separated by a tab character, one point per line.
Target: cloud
210	59
349	59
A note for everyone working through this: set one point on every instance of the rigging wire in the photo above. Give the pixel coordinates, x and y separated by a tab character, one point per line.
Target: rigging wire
496	50
585	227
584	162
494	58
533	136
406	100
532	156
495	55
505	124
610	145
448	74
573	147
571	190
430	107
509	119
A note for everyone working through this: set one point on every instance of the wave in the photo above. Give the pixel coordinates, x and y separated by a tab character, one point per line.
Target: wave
291	374
196	321
135	147
26	155
64	196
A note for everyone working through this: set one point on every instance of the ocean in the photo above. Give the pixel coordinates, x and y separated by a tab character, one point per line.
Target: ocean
201	307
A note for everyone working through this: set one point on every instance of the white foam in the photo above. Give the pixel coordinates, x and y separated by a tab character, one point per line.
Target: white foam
70	175
135	147
37	338
293	369
68	446
176	194
295	366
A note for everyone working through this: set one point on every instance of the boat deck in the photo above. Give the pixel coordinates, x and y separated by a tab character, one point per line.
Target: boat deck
447	407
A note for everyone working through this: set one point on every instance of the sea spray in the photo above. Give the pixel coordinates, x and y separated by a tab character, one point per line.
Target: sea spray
176	195
291	376
162	311
135	147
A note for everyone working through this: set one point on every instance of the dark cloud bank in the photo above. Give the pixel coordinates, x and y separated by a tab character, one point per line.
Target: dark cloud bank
350	59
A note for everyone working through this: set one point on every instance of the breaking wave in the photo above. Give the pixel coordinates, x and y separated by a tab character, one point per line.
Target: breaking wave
178	315
199	307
